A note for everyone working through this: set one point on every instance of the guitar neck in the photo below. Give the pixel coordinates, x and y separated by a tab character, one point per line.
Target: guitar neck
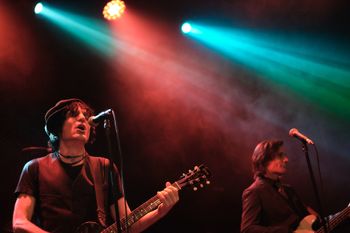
135	215
138	213
337	219
199	175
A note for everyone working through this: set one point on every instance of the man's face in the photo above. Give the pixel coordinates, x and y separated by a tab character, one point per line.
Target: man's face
76	126
278	165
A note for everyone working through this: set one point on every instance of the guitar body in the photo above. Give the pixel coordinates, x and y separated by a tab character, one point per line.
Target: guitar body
305	225
89	227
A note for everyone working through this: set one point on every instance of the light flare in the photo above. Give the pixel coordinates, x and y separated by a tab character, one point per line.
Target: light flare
114	9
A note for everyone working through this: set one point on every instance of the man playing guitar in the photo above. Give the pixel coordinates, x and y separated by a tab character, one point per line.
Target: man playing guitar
268	205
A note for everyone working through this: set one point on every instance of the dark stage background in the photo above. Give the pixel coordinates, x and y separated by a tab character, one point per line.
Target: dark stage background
178	103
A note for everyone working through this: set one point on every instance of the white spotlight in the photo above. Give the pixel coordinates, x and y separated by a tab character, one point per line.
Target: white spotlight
38	8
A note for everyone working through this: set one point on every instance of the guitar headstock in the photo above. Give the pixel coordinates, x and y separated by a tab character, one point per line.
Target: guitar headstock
195	178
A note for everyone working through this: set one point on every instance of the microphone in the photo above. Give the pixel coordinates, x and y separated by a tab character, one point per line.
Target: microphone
94	120
295	133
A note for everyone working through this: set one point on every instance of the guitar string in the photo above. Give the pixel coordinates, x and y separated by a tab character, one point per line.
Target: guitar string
337	219
131	218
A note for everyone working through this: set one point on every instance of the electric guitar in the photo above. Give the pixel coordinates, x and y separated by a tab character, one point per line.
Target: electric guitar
305	225
195	178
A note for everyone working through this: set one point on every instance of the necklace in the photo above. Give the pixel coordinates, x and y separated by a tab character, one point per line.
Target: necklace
71	157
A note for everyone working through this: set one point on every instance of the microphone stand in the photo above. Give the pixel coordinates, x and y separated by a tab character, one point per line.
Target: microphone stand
313	181
112	175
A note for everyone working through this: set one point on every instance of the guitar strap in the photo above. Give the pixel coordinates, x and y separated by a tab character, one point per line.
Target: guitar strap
98	170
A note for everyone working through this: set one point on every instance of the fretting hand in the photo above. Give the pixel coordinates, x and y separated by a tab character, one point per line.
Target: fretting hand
169	197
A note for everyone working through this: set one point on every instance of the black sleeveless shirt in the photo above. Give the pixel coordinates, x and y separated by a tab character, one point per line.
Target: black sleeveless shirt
66	196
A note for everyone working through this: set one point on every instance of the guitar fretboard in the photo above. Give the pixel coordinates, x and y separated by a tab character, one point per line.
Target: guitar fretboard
135	215
140	211
200	174
335	221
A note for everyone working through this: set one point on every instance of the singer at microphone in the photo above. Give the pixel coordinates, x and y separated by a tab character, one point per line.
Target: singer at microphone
94	120
295	133
66	174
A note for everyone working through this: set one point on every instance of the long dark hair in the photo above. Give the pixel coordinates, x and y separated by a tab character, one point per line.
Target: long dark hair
263	153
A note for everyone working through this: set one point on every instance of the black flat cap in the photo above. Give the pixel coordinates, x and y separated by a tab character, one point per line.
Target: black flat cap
53	113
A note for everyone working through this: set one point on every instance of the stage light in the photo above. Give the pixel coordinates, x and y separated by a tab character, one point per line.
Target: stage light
38	8
293	64
186	28
114	9
90	31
